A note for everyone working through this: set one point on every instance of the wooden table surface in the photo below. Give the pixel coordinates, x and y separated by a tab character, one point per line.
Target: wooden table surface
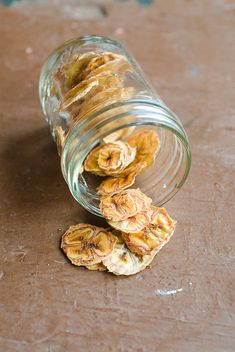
185	302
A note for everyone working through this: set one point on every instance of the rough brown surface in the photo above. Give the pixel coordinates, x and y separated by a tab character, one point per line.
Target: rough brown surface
187	48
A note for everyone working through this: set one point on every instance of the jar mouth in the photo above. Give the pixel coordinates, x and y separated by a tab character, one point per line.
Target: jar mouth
161	181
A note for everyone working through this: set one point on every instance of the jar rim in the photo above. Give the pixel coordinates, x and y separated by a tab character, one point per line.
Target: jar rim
71	163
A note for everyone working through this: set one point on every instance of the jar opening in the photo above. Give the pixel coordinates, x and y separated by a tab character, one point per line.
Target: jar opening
161	181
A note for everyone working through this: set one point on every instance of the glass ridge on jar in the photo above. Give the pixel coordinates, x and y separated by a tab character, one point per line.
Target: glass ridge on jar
111	107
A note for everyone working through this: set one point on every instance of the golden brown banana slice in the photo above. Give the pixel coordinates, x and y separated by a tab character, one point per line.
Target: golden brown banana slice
147	144
98	267
127	203
117	67
91	162
120	134
142	242
106	62
116	156
161	224
112	137
134	223
154	236
123	262
74	68
105	98
82	89
85	244
113	185
96	62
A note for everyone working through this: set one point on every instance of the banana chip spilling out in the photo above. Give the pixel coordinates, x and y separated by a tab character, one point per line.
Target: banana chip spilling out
85	244
154	236
124	205
123	262
133	223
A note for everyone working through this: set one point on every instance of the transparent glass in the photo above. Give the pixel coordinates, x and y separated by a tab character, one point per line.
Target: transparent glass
135	105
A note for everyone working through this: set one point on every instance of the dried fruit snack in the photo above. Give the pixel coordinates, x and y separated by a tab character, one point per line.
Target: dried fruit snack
81	90
133	223
147	144
91	162
154	236
113	185
124	205
123	262
110	158
71	71
115	157
85	244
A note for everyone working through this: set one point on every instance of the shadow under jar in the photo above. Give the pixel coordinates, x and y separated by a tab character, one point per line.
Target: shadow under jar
90	88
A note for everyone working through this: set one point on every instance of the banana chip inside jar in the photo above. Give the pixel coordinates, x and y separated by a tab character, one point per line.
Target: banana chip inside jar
147	144
82	89
91	162
115	157
113	185
86	244
119	134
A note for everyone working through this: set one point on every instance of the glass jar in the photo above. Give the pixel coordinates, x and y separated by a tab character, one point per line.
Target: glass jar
81	121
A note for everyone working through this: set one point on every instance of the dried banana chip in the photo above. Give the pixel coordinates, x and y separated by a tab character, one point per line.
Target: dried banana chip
113	185
116	156
142	242
161	224
112	137
73	69
135	167
117	66
85	244
147	144
105	98
133	223
60	138
120	134
82	89
123	262
91	162
96	62
127	203
154	236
